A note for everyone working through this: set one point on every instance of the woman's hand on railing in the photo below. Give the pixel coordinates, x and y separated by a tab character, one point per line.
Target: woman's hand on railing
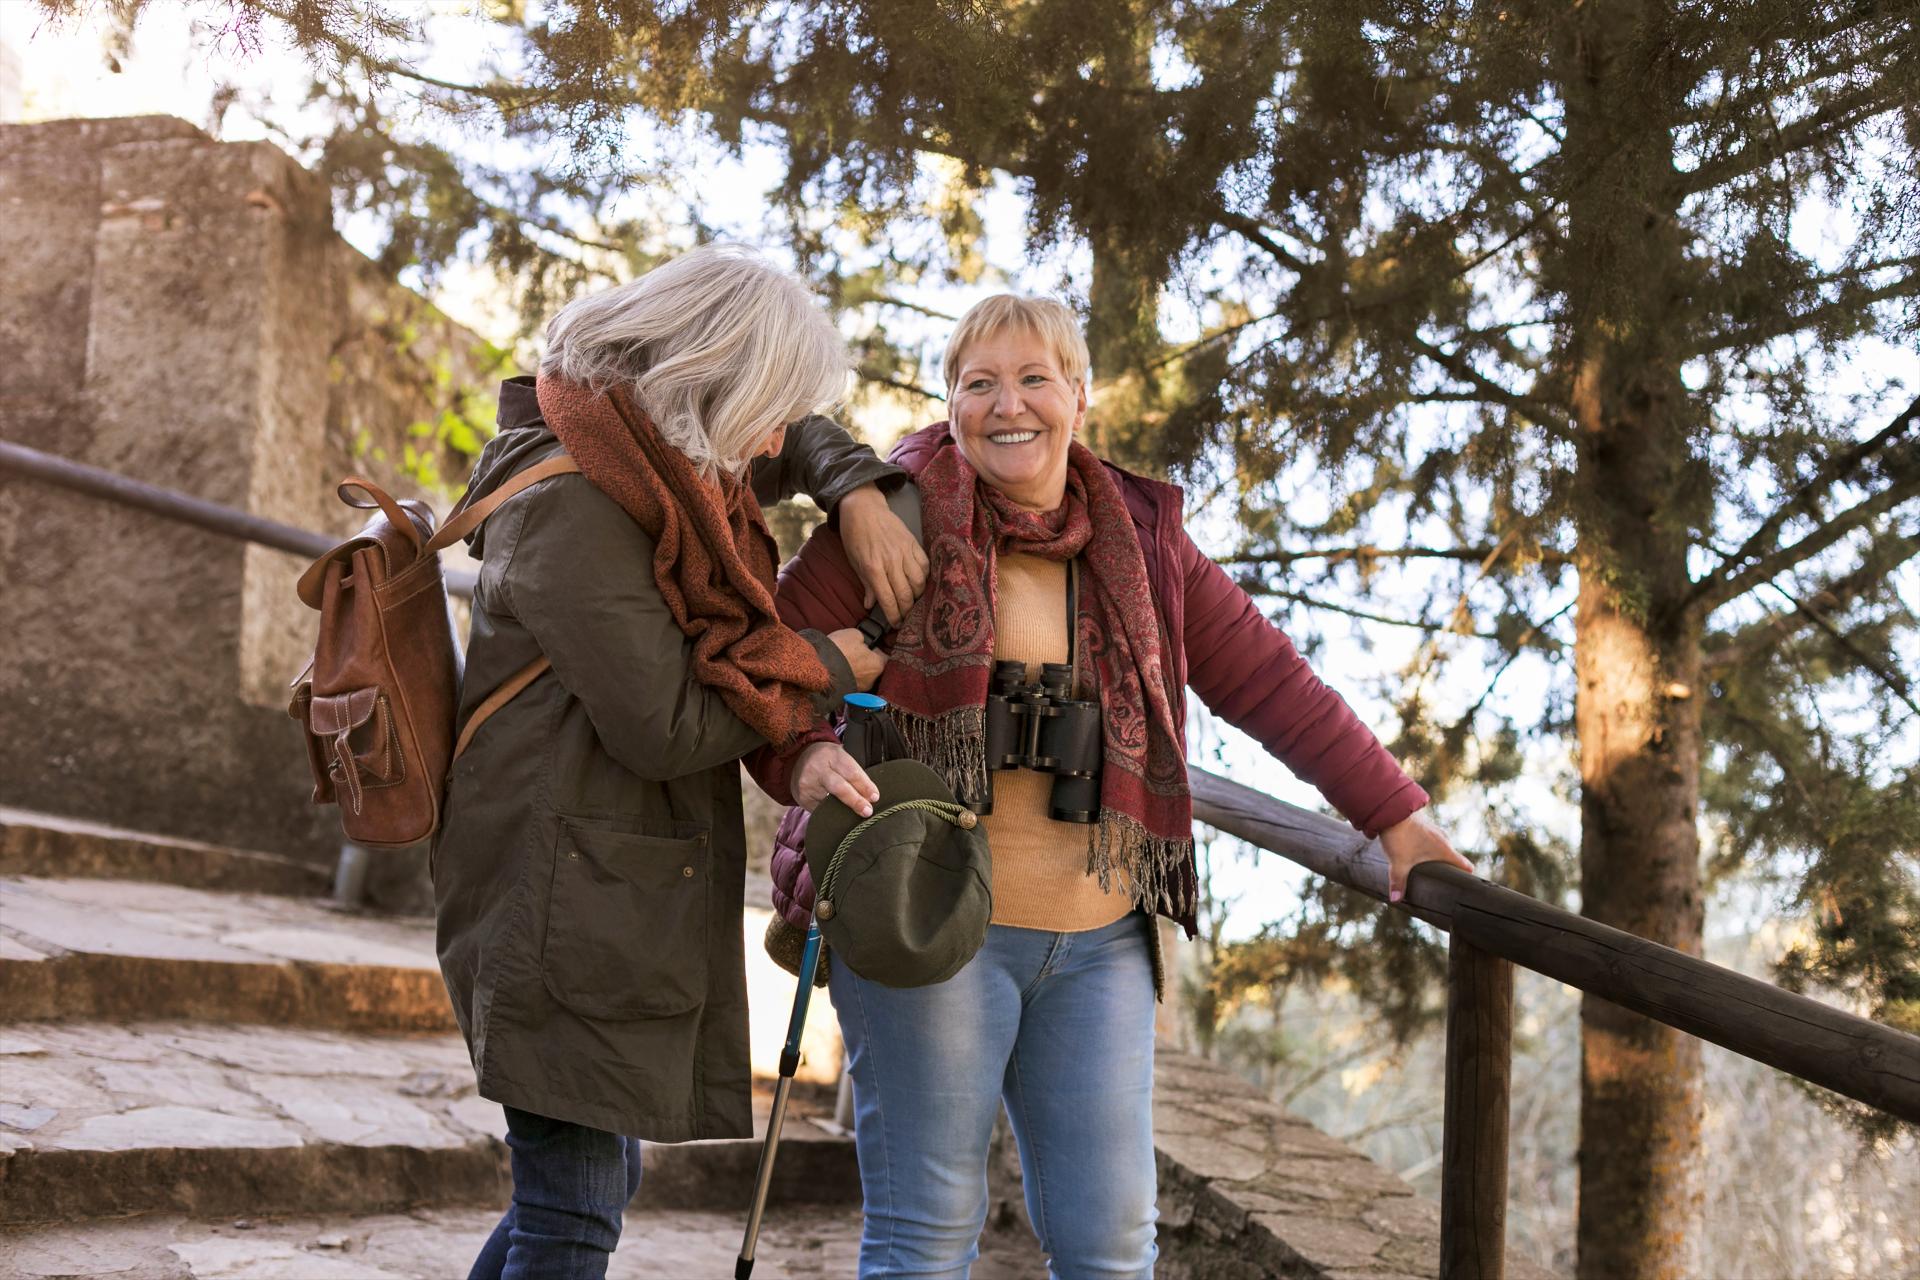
1411	841
825	769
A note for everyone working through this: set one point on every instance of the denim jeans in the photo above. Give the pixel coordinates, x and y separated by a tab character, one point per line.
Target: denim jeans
1059	1027
570	1186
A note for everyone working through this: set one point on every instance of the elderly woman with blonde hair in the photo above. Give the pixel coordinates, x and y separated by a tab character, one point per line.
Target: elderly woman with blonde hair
1044	554
590	865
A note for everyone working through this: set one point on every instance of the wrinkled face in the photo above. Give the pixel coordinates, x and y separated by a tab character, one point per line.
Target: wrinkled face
1014	412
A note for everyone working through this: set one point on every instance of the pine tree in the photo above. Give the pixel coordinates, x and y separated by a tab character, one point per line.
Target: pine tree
1573	293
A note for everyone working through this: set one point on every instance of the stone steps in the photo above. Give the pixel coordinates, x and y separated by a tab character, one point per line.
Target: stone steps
191	1056
44	844
795	1243
120	949
106	1120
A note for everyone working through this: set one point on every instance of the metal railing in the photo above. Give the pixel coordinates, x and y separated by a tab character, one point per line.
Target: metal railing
1491	928
198	512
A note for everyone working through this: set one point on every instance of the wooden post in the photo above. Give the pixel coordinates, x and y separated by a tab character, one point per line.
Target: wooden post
1473	1187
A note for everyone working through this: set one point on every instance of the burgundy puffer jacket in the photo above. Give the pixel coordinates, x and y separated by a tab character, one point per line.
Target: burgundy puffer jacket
1243	667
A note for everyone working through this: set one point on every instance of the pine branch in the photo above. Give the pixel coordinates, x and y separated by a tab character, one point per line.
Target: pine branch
1754	639
1836	117
889	300
1754	334
1726	107
1211	339
1456	364
508	97
1337	555
1251	230
1417	624
1893	680
1519	647
884	380
1811	545
1715	588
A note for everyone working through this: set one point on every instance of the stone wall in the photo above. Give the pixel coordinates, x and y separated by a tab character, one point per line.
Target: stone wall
180	310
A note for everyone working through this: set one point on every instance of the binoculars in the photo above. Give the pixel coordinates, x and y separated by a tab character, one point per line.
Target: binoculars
1039	727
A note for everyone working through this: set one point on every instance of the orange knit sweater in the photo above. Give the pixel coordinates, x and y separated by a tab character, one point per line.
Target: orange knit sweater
1040	878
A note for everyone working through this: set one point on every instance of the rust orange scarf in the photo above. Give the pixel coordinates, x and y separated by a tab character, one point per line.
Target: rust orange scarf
713	556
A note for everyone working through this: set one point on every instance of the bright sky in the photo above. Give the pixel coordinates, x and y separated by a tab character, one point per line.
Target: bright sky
50	72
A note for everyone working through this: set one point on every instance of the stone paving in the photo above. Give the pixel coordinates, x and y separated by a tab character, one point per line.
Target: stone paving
41	844
1249	1190
100	1119
795	1244
201	1057
122	949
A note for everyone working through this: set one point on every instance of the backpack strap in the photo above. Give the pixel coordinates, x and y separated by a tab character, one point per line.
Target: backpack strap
465	517
461	521
378	497
904	502
509	690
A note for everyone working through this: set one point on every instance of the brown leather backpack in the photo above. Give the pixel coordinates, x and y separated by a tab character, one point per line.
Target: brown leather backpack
378	699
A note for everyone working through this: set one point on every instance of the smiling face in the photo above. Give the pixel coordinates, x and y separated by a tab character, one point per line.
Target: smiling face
1014	412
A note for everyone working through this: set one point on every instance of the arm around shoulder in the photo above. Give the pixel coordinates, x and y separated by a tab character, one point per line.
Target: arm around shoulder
822	460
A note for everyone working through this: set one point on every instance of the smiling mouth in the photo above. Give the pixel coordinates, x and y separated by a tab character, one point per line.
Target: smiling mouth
1013	437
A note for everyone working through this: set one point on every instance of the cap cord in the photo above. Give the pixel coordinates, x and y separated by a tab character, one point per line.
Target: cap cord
830	878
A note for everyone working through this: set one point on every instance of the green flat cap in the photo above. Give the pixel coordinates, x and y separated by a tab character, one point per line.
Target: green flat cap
903	898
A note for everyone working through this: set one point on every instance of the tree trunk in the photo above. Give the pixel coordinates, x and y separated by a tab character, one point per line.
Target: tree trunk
1123	298
1639	492
1123	332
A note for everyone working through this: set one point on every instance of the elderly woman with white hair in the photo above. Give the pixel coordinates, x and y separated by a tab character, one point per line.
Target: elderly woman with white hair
590	866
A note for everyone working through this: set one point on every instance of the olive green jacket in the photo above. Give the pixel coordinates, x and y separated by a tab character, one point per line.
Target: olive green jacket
590	864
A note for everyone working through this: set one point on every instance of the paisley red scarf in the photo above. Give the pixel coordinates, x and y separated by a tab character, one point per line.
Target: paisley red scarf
942	659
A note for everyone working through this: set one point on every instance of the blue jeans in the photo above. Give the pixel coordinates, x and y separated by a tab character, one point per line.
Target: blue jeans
570	1186
1059	1027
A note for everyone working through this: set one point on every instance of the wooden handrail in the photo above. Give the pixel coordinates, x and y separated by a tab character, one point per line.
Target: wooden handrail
1850	1055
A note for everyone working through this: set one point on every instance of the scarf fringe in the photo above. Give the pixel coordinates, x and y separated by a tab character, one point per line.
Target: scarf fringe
1151	864
953	744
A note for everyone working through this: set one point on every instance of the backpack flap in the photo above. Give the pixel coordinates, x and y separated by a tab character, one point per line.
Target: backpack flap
397	533
363	745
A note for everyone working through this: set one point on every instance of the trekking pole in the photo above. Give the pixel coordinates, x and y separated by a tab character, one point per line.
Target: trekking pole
870	737
789	1063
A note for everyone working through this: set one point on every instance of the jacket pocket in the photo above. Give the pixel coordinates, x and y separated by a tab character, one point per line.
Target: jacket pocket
626	932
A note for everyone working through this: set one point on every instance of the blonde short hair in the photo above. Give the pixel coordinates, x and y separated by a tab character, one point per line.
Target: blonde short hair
718	347
1052	322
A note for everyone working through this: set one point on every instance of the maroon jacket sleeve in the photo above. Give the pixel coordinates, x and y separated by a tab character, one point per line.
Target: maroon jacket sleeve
818	589
1247	671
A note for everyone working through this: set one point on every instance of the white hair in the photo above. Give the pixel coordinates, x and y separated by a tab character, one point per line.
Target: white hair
719	347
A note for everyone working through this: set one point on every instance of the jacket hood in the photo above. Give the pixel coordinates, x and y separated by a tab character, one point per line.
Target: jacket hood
915	451
523	438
